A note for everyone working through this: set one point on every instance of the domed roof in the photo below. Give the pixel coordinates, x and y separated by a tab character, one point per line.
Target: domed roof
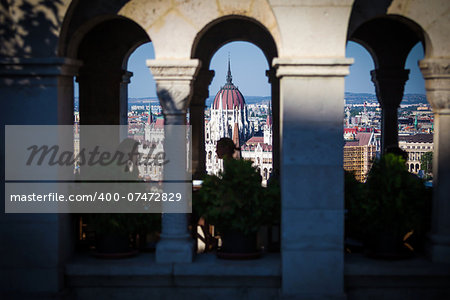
229	95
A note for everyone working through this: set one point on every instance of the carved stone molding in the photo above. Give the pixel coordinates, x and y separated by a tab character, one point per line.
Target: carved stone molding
45	66
389	86
176	69
312	67
435	68
271	75
174	79
126	77
436	72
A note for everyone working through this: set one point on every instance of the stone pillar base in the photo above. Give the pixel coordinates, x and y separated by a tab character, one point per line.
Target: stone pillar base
175	250
439	249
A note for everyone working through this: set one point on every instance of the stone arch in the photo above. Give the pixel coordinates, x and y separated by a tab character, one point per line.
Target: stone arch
81	17
389	39
162	18
104	50
229	29
214	35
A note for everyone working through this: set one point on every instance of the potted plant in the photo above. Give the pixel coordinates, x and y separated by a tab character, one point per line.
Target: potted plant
237	205
122	234
391	211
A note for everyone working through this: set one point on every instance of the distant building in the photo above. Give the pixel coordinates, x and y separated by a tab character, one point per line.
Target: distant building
415	145
359	152
258	149
228	115
150	147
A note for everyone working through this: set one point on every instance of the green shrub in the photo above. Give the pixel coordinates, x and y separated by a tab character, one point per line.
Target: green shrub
392	202
235	200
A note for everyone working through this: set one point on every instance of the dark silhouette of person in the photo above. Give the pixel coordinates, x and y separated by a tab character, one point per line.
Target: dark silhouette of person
226	148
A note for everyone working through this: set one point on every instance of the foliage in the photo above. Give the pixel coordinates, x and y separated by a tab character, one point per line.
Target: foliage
235	200
426	162
391	202
354	194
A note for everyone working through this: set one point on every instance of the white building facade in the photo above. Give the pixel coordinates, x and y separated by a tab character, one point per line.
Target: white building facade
228	114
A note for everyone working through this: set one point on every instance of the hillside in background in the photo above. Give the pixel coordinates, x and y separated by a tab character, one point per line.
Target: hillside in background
350	98
360	98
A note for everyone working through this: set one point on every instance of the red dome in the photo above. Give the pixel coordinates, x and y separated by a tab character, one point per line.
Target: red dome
231	96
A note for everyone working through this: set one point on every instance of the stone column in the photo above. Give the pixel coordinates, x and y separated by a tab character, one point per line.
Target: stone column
126	76
197	122
34	91
124	103
275	94
312	176
389	86
437	83
174	79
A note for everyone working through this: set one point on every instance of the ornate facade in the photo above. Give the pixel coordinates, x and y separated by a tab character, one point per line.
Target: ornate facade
415	146
259	150
229	118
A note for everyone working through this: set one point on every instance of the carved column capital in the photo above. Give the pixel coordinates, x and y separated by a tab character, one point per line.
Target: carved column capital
436	72
389	85
271	75
204	78
174	80
312	67
201	91
126	76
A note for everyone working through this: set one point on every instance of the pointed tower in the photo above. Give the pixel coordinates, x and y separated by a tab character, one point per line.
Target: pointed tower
236	135
267	131
150	115
269	117
229	77
228	119
236	139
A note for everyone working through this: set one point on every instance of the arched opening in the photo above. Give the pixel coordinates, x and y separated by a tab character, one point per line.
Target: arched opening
103	78
207	43
389	40
394	44
104	48
239	105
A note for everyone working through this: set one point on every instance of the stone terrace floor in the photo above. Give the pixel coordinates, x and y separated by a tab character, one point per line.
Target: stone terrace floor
208	277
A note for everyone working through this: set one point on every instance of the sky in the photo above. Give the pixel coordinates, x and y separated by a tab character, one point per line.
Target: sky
248	66
359	79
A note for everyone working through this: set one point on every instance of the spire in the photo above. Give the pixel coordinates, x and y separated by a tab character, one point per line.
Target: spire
236	137
150	115
229	77
269	117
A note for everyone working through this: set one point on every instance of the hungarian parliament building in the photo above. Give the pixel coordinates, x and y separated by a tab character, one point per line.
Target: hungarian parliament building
230	118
